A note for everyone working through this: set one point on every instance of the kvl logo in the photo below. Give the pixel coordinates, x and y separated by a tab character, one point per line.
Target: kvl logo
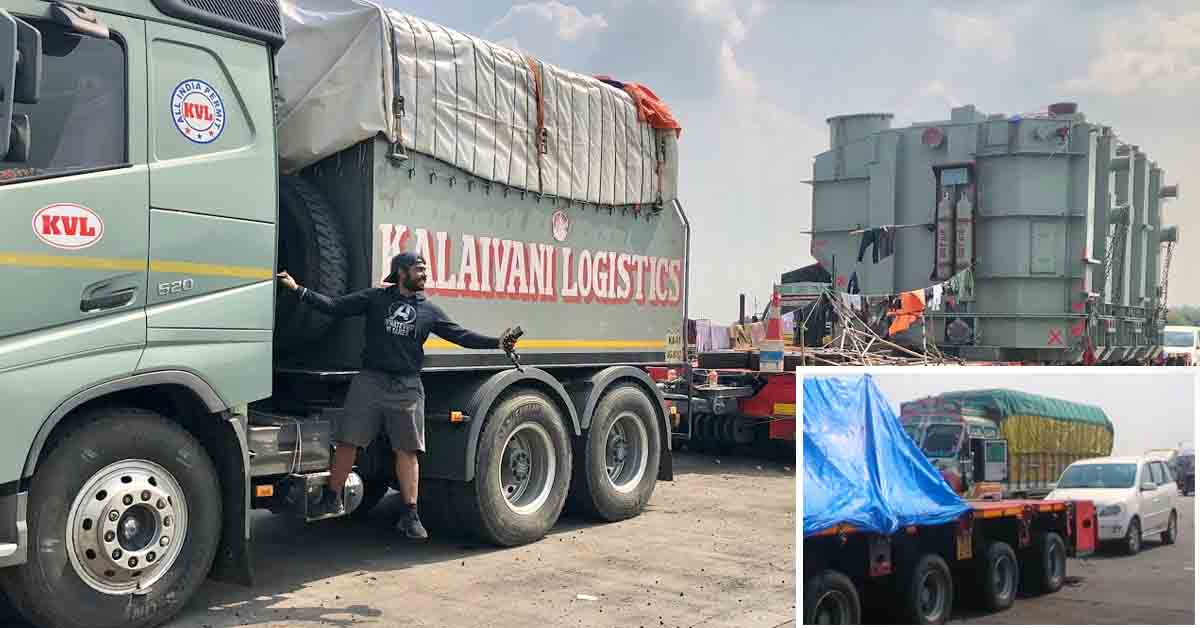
68	226
197	111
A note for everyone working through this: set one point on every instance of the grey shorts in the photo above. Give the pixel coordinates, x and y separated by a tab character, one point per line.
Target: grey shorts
379	400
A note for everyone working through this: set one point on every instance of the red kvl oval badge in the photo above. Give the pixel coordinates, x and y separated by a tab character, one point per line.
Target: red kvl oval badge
68	226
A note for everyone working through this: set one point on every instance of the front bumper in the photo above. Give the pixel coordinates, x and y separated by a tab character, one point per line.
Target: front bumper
1112	528
14	531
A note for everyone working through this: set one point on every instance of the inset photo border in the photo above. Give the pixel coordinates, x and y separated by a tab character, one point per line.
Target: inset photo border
997	495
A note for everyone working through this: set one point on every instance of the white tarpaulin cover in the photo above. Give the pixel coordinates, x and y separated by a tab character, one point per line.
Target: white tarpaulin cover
467	102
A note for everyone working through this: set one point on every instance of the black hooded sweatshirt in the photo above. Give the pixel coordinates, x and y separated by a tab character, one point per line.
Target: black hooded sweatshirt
397	326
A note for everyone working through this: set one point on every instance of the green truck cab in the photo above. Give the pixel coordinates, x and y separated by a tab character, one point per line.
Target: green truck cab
159	385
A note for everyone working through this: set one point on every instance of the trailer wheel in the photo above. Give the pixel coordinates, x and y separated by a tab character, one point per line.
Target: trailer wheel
1045	569
124	521
617	460
522	472
830	598
996	576
1172	531
312	248
927	595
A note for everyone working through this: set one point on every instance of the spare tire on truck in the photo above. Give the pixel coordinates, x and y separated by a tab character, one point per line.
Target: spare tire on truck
313	250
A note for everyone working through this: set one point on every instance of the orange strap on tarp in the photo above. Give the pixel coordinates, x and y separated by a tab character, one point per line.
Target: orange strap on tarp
651	109
535	69
912	307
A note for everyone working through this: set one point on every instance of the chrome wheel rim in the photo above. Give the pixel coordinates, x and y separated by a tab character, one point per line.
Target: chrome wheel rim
526	468
626	448
933	596
1003	574
126	527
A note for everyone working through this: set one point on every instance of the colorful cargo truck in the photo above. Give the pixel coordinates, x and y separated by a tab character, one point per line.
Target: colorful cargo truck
162	160
884	531
960	432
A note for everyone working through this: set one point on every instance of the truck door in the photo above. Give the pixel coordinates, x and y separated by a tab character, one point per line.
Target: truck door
212	209
73	224
991	459
1152	500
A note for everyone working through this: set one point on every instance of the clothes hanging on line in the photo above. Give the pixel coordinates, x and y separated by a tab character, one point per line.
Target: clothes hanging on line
883	240
934	297
912	307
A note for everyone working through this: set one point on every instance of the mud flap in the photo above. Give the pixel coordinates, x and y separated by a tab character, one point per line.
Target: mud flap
666	469
232	564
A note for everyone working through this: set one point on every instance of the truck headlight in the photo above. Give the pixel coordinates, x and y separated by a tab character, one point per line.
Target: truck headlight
1109	510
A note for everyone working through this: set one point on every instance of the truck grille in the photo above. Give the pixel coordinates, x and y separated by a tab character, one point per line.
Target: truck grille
261	14
259	19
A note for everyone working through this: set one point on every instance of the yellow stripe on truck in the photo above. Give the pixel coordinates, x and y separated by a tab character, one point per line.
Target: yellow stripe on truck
785	409
212	270
437	343
64	261
126	264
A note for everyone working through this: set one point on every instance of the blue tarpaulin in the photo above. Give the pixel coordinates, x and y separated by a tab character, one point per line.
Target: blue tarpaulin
860	468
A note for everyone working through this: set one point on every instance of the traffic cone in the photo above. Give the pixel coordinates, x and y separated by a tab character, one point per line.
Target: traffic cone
770	355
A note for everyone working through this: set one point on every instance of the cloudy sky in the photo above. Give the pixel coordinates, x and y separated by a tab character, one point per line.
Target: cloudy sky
752	82
1149	408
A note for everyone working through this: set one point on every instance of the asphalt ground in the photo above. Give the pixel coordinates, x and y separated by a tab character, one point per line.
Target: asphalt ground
715	548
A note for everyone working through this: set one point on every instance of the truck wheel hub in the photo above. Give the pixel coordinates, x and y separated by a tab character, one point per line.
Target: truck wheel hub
527	469
520	466
626	448
124	525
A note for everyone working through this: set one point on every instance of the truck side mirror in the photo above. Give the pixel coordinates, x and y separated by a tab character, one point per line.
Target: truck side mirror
20	135
20	81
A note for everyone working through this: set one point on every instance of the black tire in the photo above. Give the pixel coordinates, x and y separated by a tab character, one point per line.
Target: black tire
374	490
830	598
1133	538
1044	569
313	249
592	492
481	503
996	576
1171	534
48	589
929	571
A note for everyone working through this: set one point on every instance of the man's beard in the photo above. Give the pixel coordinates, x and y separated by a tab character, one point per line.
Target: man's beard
412	285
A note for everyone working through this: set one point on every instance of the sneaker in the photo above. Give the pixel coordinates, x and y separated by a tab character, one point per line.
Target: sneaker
410	527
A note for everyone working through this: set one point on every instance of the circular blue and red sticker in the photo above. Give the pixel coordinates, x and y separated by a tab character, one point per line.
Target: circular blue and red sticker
198	111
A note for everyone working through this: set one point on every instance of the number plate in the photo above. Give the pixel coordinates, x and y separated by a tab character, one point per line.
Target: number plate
674	346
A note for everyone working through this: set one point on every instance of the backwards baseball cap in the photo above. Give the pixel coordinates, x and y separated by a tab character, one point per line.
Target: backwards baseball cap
402	261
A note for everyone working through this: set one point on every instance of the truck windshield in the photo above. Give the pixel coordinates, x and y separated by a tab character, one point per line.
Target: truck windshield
941	441
1107	475
1179	338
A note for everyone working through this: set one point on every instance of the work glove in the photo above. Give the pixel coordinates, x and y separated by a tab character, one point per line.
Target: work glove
508	340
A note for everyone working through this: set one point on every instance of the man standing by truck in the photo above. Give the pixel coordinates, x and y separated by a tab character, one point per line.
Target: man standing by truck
388	393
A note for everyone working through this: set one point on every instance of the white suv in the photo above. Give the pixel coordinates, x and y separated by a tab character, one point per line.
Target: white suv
1134	497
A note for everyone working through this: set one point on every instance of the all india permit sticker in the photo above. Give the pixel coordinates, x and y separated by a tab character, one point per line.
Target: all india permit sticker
198	111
